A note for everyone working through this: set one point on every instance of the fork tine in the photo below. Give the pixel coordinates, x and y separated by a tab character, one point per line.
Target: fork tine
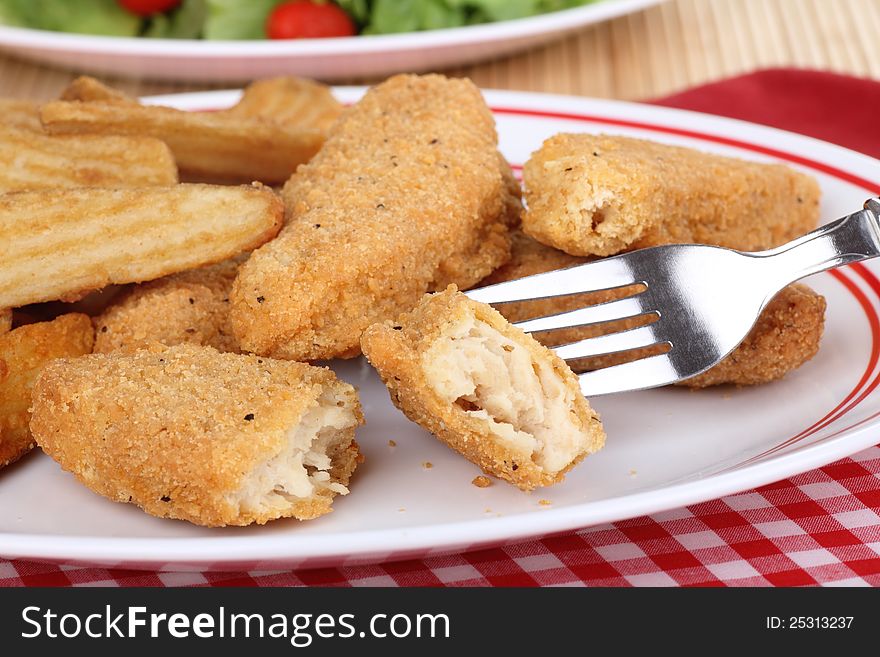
648	372
644	336
591	276
603	312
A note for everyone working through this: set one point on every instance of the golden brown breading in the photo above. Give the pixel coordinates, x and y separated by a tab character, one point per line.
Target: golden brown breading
42	161
786	335
407	194
23	354
599	195
187	432
5	320
64	242
21	114
289	101
485	388
191	307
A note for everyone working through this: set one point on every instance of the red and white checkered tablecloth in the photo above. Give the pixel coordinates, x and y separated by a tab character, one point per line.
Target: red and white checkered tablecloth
821	527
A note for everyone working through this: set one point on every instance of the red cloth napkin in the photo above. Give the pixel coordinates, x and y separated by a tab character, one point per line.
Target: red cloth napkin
838	108
820	527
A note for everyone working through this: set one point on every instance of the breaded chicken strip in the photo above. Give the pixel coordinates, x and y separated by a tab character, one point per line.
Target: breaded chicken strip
486	389
23	354
600	195
187	432
408	194
191	307
786	335
5	320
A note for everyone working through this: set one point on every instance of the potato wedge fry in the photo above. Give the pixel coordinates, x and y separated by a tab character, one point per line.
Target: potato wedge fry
43	161
289	101
23	353
207	145
64	242
22	114
88	89
5	320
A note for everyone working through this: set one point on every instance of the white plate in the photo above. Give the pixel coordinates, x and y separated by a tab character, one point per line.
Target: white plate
322	58
666	448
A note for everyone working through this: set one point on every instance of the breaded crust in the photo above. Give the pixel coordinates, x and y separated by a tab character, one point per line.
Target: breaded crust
178	430
191	307
5	320
397	348
600	195
786	335
23	354
409	193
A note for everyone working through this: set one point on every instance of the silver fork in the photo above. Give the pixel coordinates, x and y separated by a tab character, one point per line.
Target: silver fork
704	299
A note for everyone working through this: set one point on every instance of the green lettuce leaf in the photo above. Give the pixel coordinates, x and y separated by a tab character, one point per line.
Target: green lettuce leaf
359	10
394	16
102	17
238	19
185	22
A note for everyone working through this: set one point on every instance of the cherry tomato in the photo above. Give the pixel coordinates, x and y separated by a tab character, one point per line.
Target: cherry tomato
302	19
148	7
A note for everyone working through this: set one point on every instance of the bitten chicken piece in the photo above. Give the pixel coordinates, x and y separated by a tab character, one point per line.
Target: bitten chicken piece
485	388
187	432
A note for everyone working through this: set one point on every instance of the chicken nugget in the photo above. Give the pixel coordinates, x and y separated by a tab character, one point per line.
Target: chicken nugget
64	242
408	195
489	391
21	114
191	307
23	354
289	101
42	161
5	320
786	335
600	195
187	432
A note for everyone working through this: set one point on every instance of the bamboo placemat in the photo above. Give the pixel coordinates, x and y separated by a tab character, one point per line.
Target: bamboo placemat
677	44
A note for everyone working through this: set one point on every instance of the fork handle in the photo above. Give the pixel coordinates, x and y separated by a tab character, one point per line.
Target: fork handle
851	239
